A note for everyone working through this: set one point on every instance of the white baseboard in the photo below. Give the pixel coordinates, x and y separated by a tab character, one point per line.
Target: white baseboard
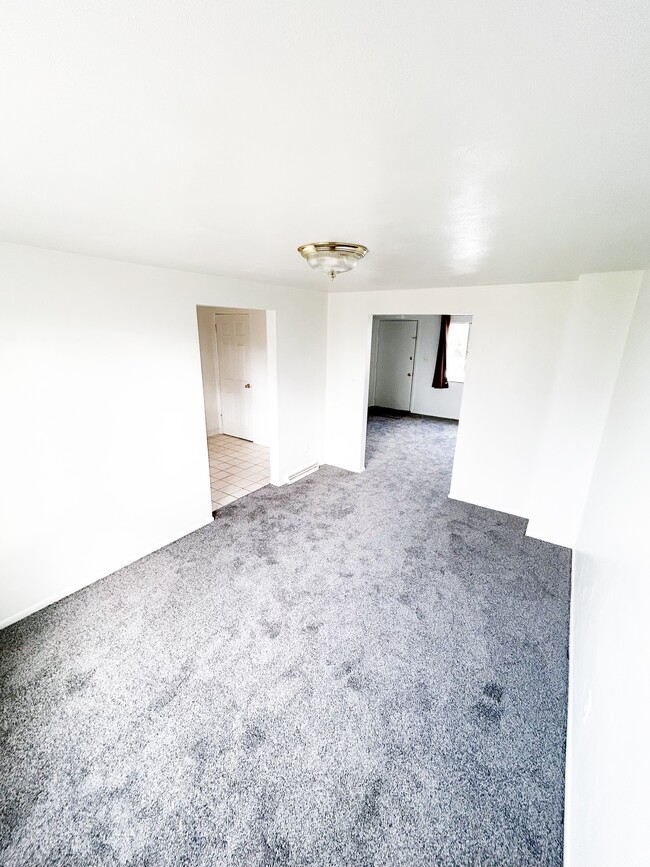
213	432
538	532
568	765
359	468
68	591
32	609
494	507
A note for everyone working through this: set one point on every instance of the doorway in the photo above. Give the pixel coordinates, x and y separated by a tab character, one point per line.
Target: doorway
237	392
395	358
403	352
234	362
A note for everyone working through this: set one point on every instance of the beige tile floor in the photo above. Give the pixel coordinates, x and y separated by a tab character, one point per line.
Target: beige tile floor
237	467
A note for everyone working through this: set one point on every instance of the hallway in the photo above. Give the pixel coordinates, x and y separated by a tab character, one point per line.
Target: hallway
350	670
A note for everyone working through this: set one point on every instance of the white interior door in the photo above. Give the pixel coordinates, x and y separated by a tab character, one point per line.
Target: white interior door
395	355
233	347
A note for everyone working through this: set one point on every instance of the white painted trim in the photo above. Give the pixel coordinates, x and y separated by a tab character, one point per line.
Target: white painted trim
568	764
454	495
535	532
217	374
366	391
272	385
57	597
348	469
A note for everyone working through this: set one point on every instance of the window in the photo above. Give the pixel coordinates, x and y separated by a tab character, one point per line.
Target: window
457	341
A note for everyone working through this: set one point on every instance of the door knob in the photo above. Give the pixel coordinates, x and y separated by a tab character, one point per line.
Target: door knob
408	374
248	385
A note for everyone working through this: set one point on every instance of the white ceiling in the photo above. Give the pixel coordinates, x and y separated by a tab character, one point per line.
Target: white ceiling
462	142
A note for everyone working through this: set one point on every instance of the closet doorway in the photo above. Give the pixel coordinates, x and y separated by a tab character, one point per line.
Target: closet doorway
234	369
237	393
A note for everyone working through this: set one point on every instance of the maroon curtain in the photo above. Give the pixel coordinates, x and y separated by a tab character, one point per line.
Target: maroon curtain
440	373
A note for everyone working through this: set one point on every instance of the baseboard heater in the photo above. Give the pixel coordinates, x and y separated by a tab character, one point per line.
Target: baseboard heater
301	473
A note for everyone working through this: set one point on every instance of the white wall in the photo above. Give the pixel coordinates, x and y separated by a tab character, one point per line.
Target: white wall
374	350
440	402
425	400
103	442
539	375
515	333
608	761
588	357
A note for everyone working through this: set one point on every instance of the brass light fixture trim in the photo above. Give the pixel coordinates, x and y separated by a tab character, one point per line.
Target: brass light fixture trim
332	257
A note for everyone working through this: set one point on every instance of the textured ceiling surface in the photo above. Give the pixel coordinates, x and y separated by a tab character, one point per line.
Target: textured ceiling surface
462	142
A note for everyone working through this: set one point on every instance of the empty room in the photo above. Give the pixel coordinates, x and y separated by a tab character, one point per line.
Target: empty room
324	364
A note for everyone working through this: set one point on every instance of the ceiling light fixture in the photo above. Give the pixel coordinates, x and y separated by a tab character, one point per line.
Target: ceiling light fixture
332	257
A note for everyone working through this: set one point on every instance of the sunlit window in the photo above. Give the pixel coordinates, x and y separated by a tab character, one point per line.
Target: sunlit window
457	342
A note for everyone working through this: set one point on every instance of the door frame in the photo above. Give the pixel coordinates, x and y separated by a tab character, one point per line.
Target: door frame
374	350
272	377
217	363
368	345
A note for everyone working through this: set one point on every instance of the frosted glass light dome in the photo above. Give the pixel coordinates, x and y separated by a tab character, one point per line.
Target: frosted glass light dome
332	257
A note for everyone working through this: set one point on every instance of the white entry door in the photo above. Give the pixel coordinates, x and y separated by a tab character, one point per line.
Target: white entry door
395	355
233	345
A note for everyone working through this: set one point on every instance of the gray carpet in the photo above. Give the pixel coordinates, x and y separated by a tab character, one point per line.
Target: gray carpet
353	670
